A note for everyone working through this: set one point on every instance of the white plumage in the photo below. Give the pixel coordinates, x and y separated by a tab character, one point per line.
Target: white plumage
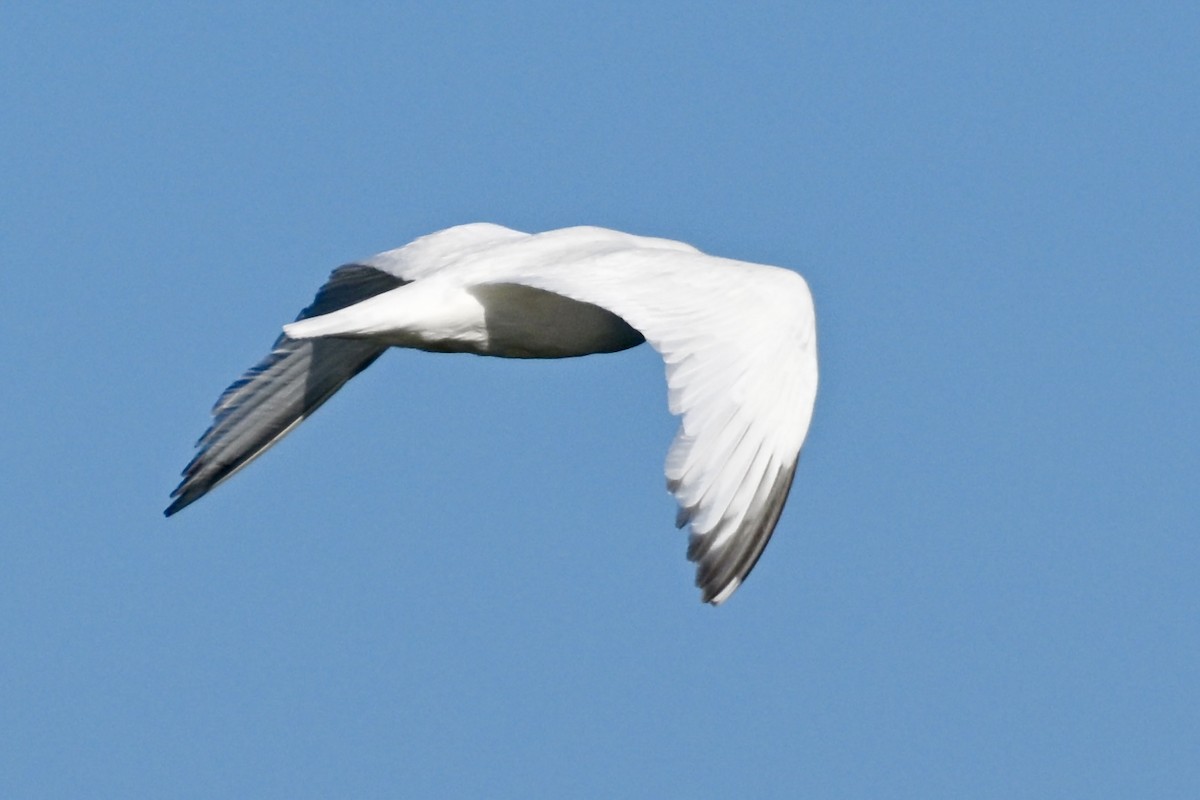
738	339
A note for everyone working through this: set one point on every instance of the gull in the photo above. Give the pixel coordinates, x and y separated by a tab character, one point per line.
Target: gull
738	340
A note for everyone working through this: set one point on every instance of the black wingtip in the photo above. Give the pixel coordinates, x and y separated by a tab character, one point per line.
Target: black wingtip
177	506
719	573
182	498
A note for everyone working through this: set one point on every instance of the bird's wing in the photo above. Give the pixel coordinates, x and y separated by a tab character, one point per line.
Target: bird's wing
739	342
283	389
279	392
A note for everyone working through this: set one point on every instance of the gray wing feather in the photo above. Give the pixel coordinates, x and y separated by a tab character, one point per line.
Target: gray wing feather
721	569
284	388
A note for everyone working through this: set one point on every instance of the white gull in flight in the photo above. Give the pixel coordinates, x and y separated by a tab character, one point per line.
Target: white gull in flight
738	339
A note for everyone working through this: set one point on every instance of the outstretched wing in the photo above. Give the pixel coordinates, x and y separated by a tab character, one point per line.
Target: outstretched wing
739	342
279	392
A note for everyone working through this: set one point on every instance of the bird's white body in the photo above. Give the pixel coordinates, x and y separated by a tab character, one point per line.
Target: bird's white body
445	315
738	339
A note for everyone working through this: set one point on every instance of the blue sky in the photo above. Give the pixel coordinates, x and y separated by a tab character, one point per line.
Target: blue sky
460	578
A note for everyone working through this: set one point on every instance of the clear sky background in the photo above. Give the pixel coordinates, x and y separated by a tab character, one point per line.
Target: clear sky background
461	578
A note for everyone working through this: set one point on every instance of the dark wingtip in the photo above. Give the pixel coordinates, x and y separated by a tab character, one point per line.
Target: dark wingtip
720	573
178	505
